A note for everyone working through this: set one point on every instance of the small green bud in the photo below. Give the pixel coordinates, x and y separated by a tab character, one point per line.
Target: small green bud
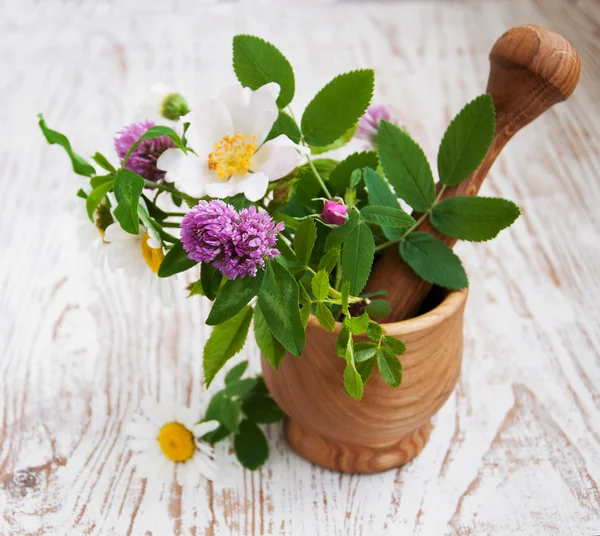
174	106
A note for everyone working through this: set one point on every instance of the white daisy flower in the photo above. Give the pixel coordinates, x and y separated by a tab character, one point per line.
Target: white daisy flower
138	257
162	105
167	437
227	135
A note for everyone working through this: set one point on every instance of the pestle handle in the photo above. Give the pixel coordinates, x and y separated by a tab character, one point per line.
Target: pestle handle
531	69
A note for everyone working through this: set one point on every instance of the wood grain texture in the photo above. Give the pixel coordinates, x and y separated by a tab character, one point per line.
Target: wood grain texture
516	448
388	427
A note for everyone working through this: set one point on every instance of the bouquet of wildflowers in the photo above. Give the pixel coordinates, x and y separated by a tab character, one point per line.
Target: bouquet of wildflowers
281	231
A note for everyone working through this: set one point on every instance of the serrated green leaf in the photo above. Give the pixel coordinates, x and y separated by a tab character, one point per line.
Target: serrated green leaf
341	343
380	194
337	107
366	368
270	347
473	218
175	261
278	301
260	408
320	285
240	387
236	372
341	176
355	178
305	314
95	197
345	296
284	124
395	345
128	187
230	413
257	62
339	234
233	296
389	366
195	289
325	317
211	280
340	142
304	240
250	445
364	351
374	331
405	166
353	383
226	340
357	257
387	216
329	260
433	261
103	162
467	140
286	251
80	166
379	308
357	324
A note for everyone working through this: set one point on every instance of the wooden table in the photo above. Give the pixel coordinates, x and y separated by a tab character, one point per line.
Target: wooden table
516	450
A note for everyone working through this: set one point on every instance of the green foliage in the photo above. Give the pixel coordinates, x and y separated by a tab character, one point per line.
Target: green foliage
320	285
304	240
387	216
340	177
339	234
80	166
103	162
262	409
353	382
374	331
325	317
329	260
95	197
473	218
226	340
236	372
250	444
284	124
240	387
278	301
365	369
340	142
195	289
152	133
389	367
357	324
211	279
467	140
230	413
128	187
337	107
364	351
175	261
379	308
395	345
257	62
233	296
433	261
380	194
405	166
357	257
272	350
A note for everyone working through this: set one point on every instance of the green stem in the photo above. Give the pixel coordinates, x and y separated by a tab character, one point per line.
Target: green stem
170	224
318	177
163	187
176	214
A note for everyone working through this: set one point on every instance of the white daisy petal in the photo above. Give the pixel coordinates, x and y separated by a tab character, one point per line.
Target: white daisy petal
141	430
187	416
207	468
141	445
204	428
276	158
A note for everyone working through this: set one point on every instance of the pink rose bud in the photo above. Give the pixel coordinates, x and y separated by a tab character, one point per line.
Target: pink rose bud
334	213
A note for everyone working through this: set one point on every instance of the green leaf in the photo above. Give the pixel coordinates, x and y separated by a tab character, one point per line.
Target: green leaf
337	107
101	179
95	197
389	366
270	347
325	317
387	216
195	289
257	62
305	314
365	369
260	408
405	166
433	261
355	178
226	340
357	257
467	140
341	176
103	162
211	280
395	345
353	383
379	308
239	388
341	343
284	124
80	166
340	142
152	133
358	324
250	444
320	285
339	234
214	413
236	372
329	260
278	301
286	250
233	296
380	194
128	187
364	351
345	296
175	261
304	240
473	218
374	331
230	413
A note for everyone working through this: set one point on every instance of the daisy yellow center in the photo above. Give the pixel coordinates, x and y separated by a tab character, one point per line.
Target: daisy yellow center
152	256
232	155
176	442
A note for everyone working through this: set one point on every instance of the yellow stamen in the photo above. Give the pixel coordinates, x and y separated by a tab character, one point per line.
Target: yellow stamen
176	442
152	256
233	154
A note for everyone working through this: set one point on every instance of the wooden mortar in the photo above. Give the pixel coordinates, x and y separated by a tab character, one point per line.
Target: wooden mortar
388	427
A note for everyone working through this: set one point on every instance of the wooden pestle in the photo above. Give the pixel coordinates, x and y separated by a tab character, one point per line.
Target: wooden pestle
531	69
